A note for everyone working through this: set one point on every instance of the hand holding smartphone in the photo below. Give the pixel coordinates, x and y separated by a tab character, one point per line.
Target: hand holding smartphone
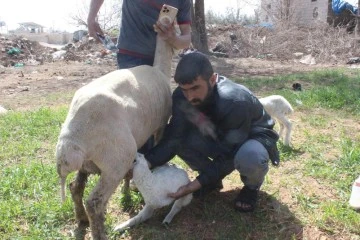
167	14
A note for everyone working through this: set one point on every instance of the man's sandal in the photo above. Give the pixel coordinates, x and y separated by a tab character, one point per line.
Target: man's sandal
246	200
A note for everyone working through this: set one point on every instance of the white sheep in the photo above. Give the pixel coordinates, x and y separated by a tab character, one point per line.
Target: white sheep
154	187
108	120
278	108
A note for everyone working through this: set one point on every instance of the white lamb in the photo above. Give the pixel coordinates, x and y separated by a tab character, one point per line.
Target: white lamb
278	108
108	120
154	187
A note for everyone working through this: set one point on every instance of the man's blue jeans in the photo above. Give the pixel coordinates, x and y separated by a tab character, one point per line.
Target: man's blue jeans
251	159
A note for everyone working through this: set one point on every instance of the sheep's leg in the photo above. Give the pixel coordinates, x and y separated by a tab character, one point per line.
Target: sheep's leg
178	204
126	186
98	199
77	188
286	125
142	216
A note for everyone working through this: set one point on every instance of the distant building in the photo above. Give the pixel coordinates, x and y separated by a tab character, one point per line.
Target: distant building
3	27
30	27
304	12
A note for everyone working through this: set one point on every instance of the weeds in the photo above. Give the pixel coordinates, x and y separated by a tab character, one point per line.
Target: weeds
310	188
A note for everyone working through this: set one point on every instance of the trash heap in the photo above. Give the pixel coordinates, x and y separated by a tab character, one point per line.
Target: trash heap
17	51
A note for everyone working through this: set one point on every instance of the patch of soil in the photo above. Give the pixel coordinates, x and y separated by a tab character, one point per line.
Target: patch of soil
54	83
25	87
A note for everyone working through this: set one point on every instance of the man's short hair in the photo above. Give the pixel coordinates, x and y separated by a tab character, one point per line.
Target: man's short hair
191	66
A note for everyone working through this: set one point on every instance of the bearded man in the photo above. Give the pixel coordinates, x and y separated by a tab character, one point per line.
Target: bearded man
217	126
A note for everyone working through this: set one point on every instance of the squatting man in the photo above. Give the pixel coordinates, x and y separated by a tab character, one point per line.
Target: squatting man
216	126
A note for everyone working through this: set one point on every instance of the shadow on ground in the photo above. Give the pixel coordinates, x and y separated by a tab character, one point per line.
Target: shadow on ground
215	218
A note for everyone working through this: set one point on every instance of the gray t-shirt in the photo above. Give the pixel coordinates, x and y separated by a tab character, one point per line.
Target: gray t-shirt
137	35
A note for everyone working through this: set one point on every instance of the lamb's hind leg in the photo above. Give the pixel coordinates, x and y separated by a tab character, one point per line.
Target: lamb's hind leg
142	216
287	139
286	125
281	130
178	204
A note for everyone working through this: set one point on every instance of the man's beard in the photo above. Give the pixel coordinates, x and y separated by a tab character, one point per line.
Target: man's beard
203	104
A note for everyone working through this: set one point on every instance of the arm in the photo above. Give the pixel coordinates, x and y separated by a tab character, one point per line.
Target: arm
173	135
186	189
167	33
233	131
92	24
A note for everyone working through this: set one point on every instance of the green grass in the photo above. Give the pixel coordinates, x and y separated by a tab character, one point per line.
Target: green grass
324	152
335	89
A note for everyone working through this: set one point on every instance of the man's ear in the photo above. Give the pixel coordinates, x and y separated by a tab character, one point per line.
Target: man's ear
212	79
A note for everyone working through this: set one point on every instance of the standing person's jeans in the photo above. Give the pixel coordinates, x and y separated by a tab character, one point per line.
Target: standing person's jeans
127	61
251	160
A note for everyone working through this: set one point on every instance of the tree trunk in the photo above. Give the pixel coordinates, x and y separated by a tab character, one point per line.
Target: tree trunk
357	28
199	35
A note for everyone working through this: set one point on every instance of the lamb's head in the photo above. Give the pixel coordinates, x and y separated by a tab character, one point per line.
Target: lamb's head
140	166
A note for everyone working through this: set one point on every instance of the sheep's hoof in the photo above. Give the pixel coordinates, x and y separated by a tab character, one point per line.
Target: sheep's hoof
120	228
166	225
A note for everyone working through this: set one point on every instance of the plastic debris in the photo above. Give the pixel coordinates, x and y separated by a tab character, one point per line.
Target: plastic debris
108	43
14	51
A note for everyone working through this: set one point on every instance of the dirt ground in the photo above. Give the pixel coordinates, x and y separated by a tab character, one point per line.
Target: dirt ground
29	86
50	70
53	84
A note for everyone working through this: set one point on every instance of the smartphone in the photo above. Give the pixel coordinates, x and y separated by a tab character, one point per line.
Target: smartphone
167	14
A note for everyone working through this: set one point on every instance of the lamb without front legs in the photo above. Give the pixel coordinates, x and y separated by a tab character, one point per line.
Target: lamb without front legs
154	187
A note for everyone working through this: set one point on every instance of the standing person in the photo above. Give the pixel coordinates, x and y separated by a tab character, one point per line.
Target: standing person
216	126
139	26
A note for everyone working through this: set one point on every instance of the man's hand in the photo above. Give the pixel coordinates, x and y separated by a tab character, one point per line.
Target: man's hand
93	28
166	32
92	24
186	189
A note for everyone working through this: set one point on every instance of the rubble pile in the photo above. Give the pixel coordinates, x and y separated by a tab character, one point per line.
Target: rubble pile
16	51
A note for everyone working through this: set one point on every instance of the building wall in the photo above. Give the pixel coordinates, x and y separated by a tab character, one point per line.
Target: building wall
310	11
303	12
52	38
267	11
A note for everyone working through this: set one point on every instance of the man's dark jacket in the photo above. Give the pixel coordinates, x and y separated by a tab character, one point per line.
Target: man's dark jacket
237	116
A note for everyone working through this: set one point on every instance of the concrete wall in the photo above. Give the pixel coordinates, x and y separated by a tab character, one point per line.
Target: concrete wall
52	38
302	12
307	11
